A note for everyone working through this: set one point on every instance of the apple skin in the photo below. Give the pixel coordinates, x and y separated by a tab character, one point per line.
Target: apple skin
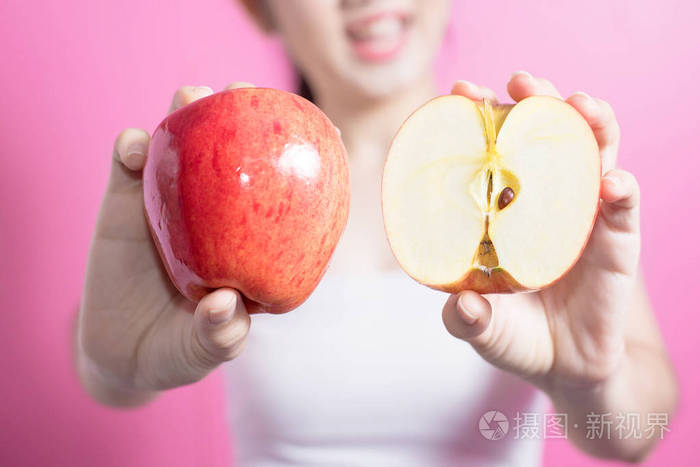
498	281
249	189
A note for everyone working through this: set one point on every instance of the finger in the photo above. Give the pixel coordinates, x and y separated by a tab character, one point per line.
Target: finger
221	324
180	348
621	200
522	84
468	317
188	94
620	188
601	118
128	157
473	91
238	85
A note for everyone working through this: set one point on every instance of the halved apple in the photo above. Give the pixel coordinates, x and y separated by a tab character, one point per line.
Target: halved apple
491	198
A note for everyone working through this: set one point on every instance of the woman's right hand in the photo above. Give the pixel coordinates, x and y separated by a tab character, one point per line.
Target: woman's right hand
137	334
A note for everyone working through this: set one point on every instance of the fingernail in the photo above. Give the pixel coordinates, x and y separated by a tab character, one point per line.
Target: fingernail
225	313
135	153
466	83
612	181
520	72
586	96
469	316
240	84
221	316
200	92
136	148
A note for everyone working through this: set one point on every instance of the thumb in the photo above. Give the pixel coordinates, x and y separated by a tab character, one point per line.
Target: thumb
128	158
183	349
219	330
513	337
467	316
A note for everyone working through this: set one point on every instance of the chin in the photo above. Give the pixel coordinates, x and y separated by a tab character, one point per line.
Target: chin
380	81
387	50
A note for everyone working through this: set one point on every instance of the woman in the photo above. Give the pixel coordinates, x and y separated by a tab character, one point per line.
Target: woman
363	372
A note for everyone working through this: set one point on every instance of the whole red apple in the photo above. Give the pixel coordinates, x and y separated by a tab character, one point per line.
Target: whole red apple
249	189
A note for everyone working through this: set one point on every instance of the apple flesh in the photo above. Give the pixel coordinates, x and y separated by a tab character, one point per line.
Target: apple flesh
249	189
491	198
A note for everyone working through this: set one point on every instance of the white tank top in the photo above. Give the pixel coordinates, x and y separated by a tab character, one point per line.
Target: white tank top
364	373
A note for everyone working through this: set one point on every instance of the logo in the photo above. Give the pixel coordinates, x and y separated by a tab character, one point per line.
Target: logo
493	425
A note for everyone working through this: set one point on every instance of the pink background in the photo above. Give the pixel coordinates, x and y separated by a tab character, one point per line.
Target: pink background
73	74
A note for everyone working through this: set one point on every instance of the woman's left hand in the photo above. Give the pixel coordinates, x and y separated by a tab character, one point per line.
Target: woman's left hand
572	333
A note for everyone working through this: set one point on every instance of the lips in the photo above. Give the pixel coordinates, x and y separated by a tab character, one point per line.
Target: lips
379	37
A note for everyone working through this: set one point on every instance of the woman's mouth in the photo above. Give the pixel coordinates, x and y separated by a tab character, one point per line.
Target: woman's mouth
379	37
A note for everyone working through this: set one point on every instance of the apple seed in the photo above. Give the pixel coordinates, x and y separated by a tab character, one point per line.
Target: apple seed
505	197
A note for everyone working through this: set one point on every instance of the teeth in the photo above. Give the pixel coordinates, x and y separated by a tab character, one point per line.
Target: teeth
387	27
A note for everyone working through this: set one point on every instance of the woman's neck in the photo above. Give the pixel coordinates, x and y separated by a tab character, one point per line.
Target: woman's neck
367	127
367	123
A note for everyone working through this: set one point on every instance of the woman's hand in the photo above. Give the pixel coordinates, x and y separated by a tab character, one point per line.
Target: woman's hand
590	339
574	330
137	335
